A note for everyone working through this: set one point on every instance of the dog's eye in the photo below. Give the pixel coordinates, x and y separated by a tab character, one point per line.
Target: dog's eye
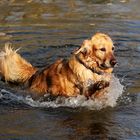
113	49
103	49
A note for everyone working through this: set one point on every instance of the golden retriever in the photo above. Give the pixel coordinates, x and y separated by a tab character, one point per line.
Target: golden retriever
87	71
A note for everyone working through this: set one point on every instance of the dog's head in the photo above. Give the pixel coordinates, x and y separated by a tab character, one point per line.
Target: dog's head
98	52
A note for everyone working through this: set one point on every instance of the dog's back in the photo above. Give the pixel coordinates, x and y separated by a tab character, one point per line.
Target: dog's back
57	79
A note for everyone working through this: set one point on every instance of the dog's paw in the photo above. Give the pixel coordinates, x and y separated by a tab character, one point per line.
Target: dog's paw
96	87
101	85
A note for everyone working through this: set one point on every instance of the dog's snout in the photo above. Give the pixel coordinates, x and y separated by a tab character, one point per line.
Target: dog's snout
113	62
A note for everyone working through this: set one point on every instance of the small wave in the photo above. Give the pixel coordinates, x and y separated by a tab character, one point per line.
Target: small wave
109	99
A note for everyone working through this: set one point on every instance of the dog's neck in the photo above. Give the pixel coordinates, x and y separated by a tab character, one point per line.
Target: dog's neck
94	69
83	73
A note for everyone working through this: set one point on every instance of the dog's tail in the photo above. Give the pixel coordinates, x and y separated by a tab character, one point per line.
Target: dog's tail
13	67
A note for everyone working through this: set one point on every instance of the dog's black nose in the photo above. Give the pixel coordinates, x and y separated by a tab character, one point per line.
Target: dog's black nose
113	62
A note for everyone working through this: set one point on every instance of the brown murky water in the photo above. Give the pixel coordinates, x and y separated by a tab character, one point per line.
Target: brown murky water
46	30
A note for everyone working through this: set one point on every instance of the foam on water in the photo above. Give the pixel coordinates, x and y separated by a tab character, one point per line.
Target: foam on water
110	99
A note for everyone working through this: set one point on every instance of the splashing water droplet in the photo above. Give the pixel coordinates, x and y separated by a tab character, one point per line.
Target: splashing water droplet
109	99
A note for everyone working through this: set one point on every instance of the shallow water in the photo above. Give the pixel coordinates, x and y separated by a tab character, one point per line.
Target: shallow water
46	30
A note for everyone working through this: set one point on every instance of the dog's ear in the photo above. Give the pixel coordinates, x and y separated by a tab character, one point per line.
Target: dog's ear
81	50
85	47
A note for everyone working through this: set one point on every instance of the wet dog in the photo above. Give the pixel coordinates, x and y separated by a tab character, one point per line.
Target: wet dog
87	71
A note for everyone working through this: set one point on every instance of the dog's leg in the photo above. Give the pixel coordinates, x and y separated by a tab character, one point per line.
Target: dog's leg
101	85
96	87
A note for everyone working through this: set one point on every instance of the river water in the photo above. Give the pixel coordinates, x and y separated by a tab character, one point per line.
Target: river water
46	30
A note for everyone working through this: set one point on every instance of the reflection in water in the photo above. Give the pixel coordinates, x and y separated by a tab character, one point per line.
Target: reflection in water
50	29
96	127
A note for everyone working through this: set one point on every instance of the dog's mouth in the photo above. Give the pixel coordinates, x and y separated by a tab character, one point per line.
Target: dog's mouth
105	66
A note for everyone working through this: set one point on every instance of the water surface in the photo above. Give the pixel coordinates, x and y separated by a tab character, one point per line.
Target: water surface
46	30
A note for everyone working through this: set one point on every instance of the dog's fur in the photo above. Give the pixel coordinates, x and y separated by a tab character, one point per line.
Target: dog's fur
87	71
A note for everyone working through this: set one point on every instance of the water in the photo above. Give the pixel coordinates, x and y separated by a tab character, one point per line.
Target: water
46	30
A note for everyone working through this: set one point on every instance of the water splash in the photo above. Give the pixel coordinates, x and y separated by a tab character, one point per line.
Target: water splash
109	99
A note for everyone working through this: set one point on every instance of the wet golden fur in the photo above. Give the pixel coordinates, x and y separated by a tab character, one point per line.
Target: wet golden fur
87	71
